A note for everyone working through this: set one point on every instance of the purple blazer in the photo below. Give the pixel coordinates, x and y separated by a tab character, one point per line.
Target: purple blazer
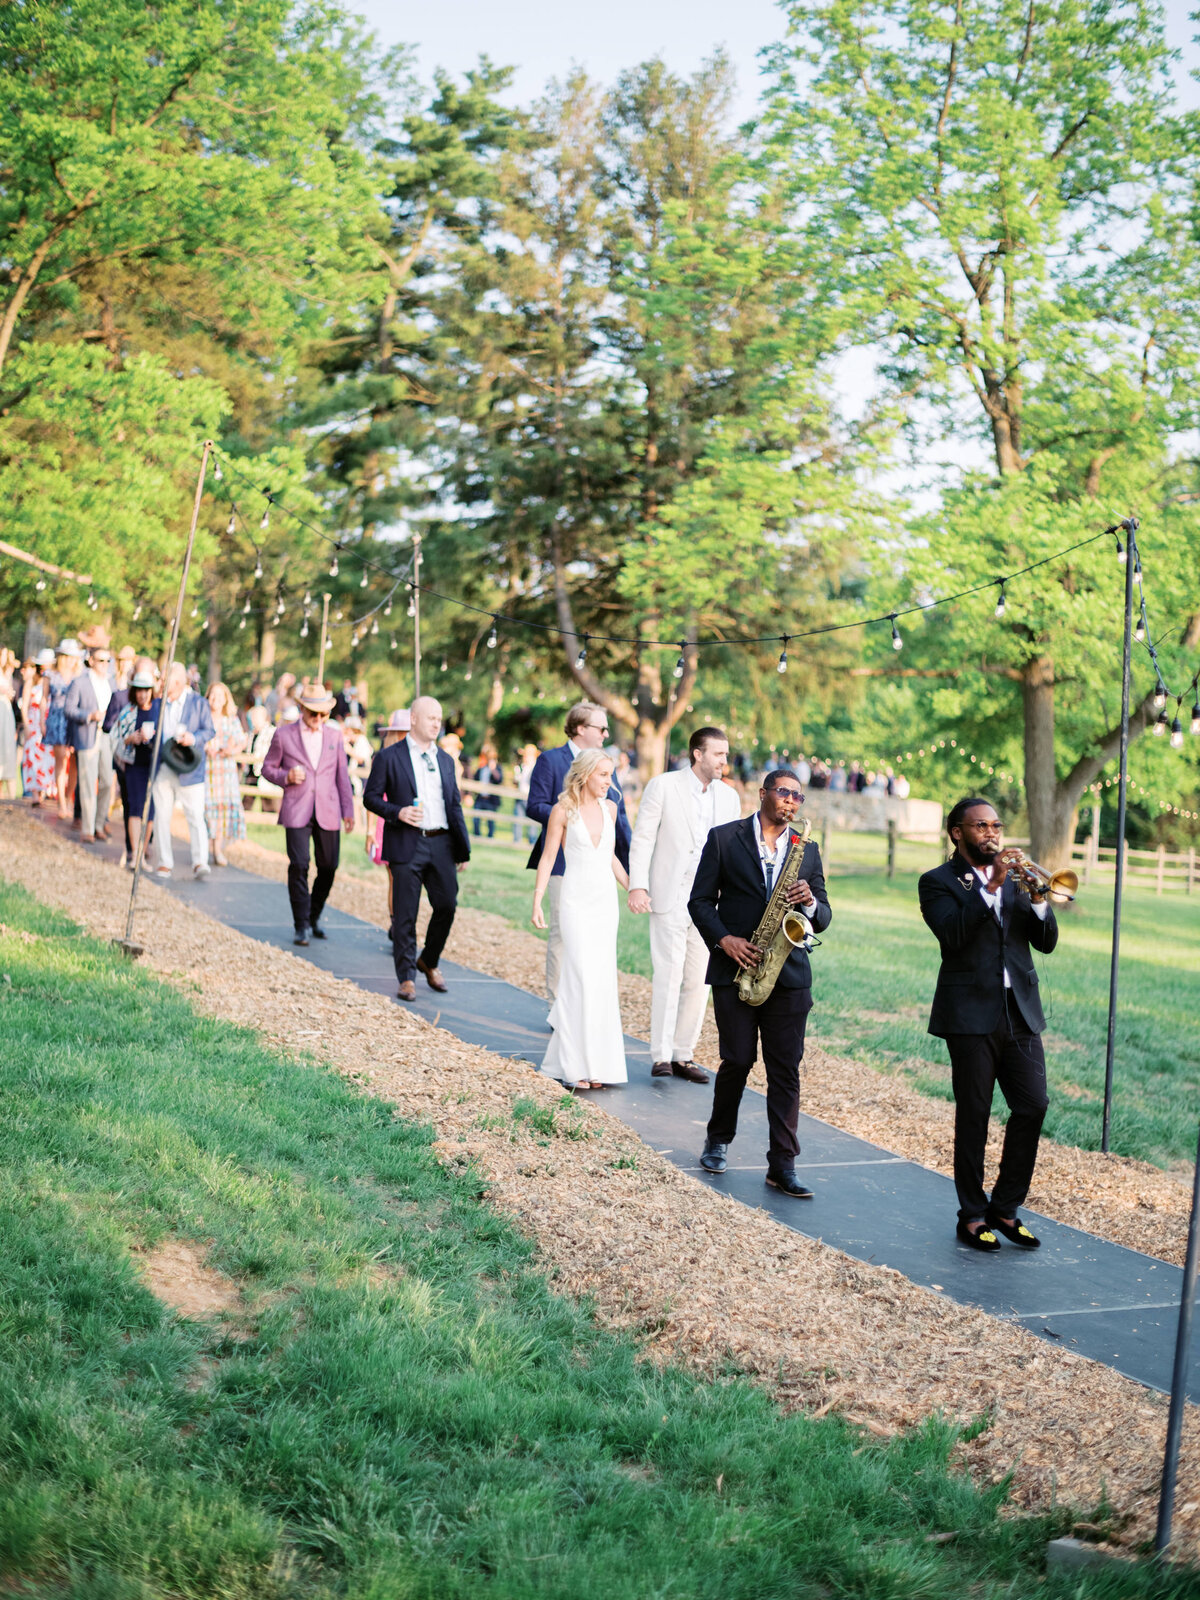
324	793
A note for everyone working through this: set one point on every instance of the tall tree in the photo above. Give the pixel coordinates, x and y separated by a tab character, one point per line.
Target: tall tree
1000	187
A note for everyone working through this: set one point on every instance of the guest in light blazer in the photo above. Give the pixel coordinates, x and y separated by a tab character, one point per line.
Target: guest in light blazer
307	759
413	786
677	813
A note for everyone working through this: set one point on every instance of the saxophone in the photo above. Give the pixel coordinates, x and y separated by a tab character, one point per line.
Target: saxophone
781	928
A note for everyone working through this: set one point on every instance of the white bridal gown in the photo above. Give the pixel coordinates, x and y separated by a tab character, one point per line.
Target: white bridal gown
586	1017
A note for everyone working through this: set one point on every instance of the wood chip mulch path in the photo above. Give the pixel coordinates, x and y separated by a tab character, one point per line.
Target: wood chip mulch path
701	1278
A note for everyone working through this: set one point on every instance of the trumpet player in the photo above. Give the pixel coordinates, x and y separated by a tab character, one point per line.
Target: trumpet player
742	866
987	1009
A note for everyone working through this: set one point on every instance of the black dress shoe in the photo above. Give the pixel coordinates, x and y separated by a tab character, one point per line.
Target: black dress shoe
712	1158
317	932
690	1071
301	936
1015	1231
983	1239
661	1069
787	1184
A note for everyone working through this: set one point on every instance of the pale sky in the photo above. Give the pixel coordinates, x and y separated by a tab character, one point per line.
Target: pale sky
544	38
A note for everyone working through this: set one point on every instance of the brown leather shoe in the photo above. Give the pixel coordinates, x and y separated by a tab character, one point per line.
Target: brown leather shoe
407	990
690	1071
661	1069
433	976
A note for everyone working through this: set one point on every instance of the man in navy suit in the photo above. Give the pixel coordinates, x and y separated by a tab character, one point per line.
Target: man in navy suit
413	787
587	729
186	722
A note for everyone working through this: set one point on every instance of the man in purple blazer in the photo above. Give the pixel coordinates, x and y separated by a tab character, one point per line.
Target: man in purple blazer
307	759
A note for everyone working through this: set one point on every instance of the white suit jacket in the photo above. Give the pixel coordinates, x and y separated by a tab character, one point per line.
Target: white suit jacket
667	838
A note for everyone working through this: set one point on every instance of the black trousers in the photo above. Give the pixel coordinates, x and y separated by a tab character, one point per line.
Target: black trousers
326	850
1013	1057
431	866
779	1025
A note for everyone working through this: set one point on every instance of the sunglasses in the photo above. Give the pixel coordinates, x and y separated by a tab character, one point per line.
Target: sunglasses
788	794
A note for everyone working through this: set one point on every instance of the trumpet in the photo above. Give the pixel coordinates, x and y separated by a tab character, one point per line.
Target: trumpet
1056	886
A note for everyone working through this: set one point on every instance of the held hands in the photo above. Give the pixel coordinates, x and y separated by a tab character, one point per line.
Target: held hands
741	951
639	901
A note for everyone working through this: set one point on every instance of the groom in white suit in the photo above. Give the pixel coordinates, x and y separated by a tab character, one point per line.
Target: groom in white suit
677	811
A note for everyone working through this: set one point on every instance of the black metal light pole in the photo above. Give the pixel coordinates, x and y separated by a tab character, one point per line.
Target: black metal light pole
1130	526
1183	1347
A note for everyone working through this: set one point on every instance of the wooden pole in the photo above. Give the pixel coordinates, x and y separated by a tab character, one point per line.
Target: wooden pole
1183	1345
416	615
324	636
127	943
1131	560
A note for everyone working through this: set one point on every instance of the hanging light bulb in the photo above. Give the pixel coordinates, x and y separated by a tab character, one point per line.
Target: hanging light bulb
217	473
412	602
1137	569
1177	732
91	600
1196	717
204	626
582	656
307	597
40	585
681	663
329	641
304	629
1122	554
782	667
195	612
1139	627
445	667
1160	695
1000	603
241	624
258	568
338	614
266	519
231	525
391	641
468	675
1160	724
897	641
333	565
493	638
374	626
246	609
137	611
387	610
362	582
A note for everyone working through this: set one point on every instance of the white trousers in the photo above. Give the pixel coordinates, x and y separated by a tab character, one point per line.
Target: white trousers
554	941
94	766
679	993
167	790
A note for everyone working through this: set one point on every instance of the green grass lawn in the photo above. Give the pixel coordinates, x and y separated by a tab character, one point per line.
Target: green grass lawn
410	1413
875	972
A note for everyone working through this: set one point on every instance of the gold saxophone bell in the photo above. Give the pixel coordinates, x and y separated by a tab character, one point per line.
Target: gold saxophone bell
798	930
1057	886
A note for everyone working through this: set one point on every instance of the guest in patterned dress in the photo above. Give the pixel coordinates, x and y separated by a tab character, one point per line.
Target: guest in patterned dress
67	667
37	759
222	784
10	758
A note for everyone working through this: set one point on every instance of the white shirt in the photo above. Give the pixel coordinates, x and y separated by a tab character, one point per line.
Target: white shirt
172	713
103	688
771	861
429	784
993	900
704	803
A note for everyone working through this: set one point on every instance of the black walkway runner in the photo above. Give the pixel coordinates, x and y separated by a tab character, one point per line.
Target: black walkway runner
1106	1302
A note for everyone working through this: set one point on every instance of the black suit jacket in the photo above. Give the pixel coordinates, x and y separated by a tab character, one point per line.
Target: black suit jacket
729	895
976	948
391	784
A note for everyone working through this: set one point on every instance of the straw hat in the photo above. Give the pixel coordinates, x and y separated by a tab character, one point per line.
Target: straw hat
316	699
142	680
69	647
44	658
97	637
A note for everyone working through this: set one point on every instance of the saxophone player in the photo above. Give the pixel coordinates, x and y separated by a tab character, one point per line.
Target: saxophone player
736	879
987	1009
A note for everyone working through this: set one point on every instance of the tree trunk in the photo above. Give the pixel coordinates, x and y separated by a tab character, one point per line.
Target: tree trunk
214	657
650	743
1051	810
266	651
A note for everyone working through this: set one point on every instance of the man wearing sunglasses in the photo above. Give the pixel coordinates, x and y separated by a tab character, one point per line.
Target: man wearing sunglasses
739	866
307	759
987	1009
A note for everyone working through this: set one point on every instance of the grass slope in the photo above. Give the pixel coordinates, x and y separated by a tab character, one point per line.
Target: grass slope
410	1411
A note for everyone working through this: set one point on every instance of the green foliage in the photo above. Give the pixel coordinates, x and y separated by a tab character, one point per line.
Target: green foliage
401	1407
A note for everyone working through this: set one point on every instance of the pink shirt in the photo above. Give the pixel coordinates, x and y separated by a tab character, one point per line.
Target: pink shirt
313	739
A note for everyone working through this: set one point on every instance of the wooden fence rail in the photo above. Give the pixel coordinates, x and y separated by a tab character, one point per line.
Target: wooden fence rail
1165	869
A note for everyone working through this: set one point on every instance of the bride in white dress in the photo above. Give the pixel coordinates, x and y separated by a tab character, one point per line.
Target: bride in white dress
587	1050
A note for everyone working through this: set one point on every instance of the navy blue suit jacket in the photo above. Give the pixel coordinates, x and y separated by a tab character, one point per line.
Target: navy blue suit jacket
391	785
546	784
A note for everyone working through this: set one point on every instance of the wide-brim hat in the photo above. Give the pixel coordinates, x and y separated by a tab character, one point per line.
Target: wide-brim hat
142	680
316	700
400	721
97	637
44	658
126	653
69	647
182	758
